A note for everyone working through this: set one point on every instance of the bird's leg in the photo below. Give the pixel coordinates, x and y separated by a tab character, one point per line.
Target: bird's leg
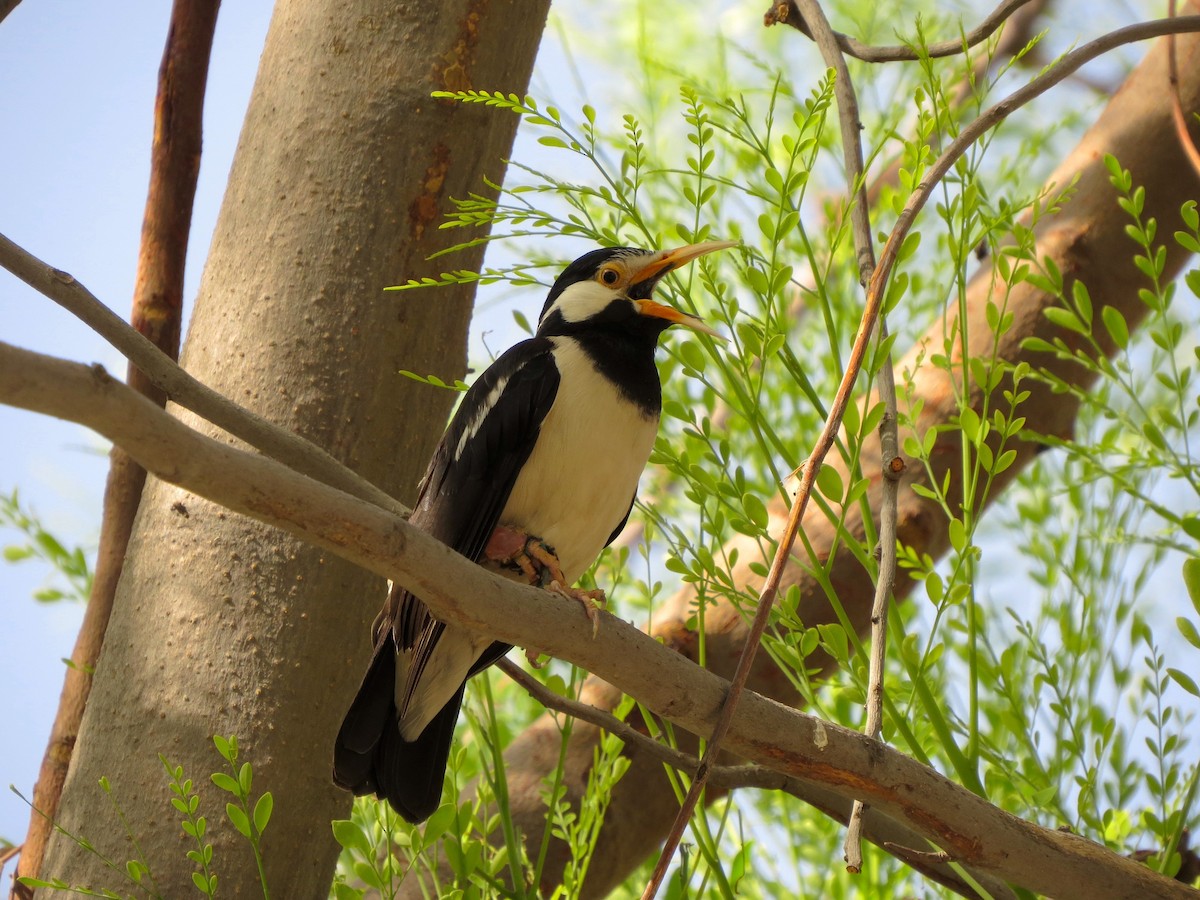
554	580
506	546
539	565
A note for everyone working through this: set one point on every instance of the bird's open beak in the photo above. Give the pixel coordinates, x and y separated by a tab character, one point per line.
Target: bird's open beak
661	263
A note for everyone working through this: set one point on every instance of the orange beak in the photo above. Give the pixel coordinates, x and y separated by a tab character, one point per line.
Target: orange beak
666	261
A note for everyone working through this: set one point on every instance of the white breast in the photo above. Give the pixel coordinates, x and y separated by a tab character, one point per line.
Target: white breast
584	469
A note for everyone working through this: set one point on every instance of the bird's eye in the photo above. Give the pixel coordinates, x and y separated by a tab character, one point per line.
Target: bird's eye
610	276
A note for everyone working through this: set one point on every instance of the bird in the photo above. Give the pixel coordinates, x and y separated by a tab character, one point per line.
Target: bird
537	470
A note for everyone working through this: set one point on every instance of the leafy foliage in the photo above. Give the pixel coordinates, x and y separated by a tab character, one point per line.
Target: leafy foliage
249	820
40	544
1033	671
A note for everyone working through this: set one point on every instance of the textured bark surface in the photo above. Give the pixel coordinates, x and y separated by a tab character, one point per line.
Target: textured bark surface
1088	242
222	625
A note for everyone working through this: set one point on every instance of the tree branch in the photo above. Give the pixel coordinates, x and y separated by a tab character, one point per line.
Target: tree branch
880	830
285	446
787	12
848	764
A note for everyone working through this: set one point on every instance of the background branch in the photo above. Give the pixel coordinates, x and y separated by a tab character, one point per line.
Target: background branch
789	13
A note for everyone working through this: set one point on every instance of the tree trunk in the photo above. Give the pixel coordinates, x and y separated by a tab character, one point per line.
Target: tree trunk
1087	241
222	625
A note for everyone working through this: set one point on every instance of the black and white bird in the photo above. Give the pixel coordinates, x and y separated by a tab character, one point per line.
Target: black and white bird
548	445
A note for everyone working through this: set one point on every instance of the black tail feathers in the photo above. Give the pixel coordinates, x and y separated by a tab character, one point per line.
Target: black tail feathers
370	756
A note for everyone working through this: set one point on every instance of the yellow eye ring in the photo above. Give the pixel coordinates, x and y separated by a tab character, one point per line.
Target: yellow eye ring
609	276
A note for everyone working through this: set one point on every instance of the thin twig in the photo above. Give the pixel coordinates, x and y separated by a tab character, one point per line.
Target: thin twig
278	443
787	13
1181	127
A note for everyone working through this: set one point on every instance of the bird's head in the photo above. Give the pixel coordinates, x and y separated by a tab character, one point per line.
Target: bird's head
610	289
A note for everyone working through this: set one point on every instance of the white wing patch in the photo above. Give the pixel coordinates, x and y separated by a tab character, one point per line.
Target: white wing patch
489	403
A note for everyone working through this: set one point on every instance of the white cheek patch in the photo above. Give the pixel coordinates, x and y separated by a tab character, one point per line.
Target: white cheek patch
582	301
489	403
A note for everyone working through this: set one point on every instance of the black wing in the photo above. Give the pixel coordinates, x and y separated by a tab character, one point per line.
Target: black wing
461	498
475	466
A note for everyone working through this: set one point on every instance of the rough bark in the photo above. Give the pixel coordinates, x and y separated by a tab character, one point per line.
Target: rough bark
222	625
1088	243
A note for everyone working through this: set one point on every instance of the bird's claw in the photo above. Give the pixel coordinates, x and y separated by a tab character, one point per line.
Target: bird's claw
532	655
530	555
592	601
539	565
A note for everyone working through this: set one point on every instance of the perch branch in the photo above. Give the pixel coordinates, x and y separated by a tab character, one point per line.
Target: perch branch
843	761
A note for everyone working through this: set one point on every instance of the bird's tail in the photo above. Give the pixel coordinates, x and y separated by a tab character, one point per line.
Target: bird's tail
370	756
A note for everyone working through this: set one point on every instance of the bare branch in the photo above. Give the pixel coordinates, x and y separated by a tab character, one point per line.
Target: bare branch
285	446
786	12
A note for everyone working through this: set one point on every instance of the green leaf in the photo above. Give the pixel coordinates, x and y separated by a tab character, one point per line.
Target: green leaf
1184	681
1116	326
958	535
968	421
245	778
262	812
239	819
1065	318
1191	579
1188	629
829	483
225	782
1083	302
438	823
755	509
